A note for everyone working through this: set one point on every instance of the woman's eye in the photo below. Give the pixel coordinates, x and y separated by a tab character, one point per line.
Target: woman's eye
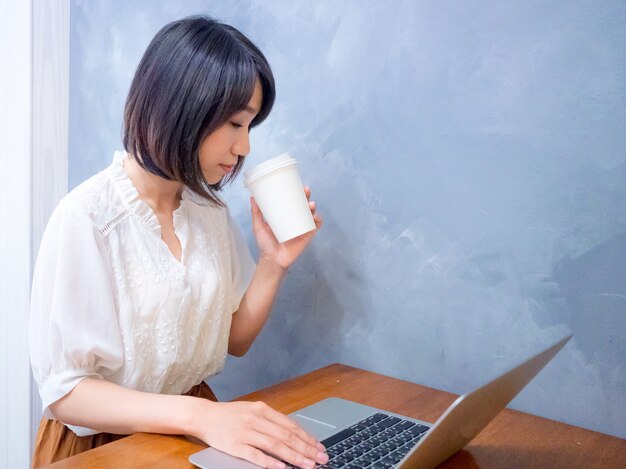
235	124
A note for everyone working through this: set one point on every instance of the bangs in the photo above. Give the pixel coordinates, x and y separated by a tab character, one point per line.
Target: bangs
235	87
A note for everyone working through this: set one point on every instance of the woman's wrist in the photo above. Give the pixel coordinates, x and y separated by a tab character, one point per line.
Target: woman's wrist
195	415
271	268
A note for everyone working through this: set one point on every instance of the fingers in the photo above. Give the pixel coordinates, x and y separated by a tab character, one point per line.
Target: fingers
284	438
292	426
294	451
254	207
313	206
257	215
316	218
258	457
269	437
256	432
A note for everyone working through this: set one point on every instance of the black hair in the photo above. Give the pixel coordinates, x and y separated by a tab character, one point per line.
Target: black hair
195	74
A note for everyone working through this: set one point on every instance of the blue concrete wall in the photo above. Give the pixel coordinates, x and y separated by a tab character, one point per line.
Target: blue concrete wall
469	158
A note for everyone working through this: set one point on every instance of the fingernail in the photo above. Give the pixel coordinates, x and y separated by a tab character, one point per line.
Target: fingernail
322	458
321	447
279	465
308	463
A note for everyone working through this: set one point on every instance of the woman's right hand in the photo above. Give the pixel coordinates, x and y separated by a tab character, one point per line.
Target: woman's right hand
256	432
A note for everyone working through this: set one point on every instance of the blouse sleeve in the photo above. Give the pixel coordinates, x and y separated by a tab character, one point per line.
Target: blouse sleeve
242	264
74	331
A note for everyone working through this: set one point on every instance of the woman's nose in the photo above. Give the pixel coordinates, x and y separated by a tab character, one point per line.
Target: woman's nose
242	144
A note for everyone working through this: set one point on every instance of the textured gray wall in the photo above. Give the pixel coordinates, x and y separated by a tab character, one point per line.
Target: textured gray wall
469	158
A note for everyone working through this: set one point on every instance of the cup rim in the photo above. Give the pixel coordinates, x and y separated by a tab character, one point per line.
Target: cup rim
266	167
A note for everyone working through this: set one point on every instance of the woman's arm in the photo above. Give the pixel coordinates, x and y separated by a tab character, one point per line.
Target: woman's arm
108	407
274	260
255	307
247	430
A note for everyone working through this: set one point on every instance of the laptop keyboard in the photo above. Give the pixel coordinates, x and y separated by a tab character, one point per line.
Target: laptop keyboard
379	441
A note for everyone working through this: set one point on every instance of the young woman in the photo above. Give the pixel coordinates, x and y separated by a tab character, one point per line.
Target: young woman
143	283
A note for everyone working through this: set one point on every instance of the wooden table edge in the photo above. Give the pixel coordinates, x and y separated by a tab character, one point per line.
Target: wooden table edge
183	446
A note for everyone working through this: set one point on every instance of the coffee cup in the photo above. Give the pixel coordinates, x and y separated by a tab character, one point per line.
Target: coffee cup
277	189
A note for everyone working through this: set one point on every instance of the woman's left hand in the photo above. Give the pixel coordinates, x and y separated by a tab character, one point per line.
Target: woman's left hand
281	255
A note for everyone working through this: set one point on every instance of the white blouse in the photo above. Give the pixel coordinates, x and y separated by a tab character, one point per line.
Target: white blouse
110	301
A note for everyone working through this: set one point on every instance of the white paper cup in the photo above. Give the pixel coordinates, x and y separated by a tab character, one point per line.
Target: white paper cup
276	186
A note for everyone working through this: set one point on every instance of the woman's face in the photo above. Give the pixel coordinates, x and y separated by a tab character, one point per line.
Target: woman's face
220	150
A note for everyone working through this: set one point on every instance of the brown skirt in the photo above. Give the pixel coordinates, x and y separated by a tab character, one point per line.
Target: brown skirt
55	441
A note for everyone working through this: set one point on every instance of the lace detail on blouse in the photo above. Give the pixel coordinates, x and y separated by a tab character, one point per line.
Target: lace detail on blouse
111	301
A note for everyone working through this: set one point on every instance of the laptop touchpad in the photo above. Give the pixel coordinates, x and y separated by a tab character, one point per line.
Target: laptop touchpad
326	417
318	429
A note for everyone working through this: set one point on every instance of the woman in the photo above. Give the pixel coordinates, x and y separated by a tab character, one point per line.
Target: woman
143	283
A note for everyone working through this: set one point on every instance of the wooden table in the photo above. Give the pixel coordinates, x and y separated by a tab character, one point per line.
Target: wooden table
513	440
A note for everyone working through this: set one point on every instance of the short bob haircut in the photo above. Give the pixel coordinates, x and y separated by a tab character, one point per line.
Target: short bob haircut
195	74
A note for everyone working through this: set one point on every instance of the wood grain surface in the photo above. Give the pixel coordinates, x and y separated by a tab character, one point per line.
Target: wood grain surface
512	440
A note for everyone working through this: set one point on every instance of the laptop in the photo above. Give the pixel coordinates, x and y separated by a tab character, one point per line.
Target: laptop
358	436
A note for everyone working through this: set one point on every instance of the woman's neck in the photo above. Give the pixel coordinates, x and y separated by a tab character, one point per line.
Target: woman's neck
160	194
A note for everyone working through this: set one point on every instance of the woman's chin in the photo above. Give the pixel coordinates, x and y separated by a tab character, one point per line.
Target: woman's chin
213	179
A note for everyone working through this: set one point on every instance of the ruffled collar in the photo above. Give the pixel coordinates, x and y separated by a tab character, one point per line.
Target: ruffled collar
129	194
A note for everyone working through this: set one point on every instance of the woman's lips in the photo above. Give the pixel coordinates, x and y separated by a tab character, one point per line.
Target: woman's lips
227	168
